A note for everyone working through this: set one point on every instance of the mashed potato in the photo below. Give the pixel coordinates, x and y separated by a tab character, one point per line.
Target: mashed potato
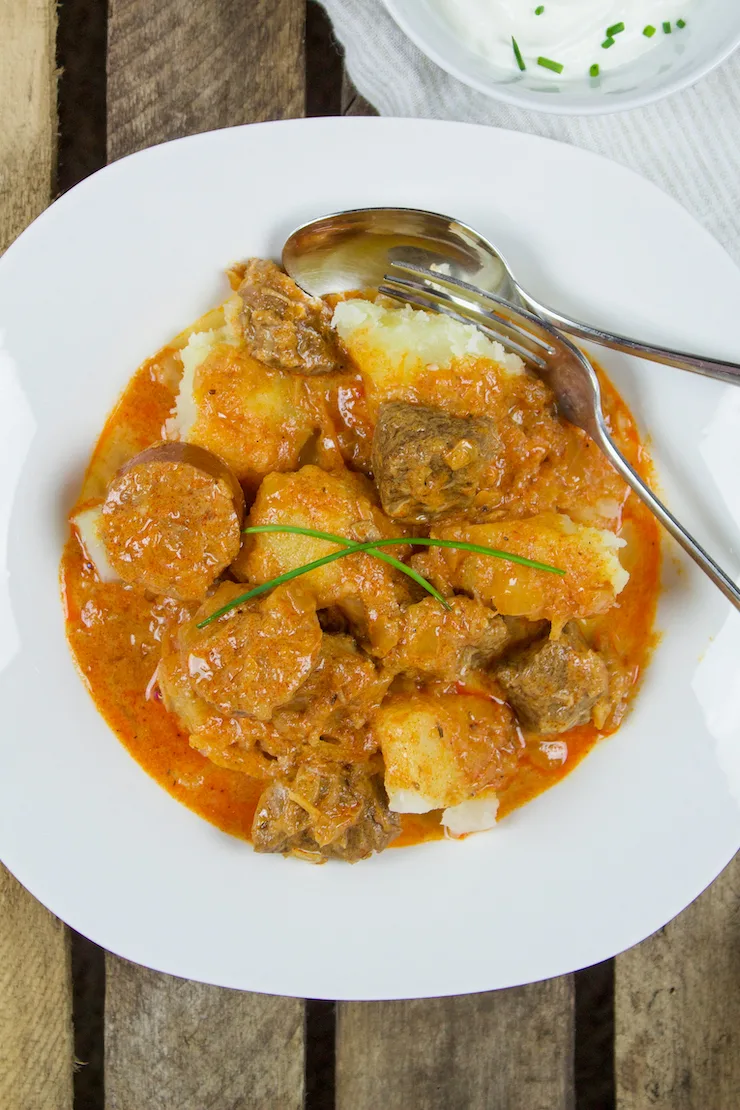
400	342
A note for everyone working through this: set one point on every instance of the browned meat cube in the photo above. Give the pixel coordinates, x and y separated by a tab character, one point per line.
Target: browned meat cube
427	463
339	812
283	326
554	685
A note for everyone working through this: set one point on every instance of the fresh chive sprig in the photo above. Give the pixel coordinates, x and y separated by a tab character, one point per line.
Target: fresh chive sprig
330	537
371	548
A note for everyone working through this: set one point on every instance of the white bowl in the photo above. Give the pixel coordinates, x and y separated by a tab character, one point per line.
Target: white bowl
118	266
676	62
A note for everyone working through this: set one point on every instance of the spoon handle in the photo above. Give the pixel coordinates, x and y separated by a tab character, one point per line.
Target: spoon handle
728	372
701	557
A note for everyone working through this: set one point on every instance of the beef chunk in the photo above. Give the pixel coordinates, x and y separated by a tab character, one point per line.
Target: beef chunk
554	685
283	326
428	463
339	813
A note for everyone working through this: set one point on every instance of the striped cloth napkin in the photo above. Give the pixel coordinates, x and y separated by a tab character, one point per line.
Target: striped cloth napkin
688	144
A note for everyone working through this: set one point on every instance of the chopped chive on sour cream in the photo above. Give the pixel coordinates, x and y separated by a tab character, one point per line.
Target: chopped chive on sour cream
560	40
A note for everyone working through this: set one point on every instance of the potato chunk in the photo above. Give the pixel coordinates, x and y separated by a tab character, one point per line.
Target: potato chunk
367	591
255	418
441	750
593	574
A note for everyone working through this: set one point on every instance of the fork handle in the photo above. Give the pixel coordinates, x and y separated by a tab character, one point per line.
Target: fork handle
702	558
728	372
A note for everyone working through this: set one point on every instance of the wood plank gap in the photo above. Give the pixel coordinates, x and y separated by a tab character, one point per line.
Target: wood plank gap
353	104
81	57
324	64
321	1025
594	1037
88	1008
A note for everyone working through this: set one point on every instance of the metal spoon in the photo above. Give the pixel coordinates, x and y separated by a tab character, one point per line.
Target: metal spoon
354	250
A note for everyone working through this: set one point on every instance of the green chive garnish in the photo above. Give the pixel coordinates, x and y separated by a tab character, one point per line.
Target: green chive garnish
594	71
667	27
649	31
518	55
681	23
616	29
539	10
330	537
607	43
354	548
547	63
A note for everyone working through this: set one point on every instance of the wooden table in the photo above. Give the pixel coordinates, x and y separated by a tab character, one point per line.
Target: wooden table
657	1027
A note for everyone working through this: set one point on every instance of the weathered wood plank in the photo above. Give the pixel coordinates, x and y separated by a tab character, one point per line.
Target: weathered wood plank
36	1052
178	67
173	1044
677	1009
505	1050
27	112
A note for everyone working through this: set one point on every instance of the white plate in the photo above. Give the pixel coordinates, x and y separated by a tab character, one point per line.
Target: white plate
118	266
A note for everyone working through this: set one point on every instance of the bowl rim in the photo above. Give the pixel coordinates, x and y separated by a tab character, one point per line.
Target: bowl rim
504	94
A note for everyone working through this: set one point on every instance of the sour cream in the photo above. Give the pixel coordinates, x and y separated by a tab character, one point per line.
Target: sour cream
568	32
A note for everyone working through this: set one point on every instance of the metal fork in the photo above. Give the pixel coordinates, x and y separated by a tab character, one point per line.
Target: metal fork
560	364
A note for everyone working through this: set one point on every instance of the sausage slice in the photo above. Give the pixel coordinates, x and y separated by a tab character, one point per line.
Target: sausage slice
171	521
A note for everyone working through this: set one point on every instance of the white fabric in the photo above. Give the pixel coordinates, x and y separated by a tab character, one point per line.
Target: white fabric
689	144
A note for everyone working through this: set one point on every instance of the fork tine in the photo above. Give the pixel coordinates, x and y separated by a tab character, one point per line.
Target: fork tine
468	296
430	300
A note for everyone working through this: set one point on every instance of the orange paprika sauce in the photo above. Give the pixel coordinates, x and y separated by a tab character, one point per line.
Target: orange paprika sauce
113	630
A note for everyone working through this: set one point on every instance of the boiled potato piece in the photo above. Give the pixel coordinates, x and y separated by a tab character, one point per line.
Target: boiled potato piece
593	577
256	419
366	590
443	750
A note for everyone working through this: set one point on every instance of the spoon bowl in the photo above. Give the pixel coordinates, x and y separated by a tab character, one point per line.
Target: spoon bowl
355	250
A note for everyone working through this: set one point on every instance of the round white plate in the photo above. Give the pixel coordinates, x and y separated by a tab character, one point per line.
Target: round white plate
117	267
